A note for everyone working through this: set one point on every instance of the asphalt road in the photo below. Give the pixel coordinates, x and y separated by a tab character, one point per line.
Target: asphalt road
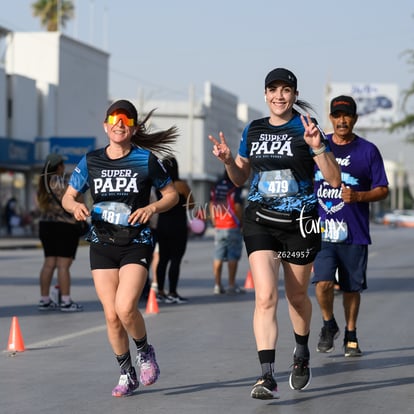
206	348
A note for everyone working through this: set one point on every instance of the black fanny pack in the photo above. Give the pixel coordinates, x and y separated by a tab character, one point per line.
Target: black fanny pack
272	218
118	235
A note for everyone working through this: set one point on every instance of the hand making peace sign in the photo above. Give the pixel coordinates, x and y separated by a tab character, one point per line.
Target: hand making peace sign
220	149
312	135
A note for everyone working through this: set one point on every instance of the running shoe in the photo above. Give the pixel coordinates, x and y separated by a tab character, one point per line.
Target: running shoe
175	298
148	367
301	374
161	297
326	339
352	349
265	388
127	384
47	306
218	290
235	290
70	307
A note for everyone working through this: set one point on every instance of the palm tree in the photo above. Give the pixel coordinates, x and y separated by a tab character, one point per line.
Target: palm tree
408	121
53	14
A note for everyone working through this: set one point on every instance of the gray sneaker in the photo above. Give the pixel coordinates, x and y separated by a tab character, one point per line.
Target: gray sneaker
218	290
47	306
326	339
70	307
235	290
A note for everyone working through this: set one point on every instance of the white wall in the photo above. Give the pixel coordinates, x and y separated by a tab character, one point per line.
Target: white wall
3	103
47	94
76	107
221	115
83	90
34	54
24	108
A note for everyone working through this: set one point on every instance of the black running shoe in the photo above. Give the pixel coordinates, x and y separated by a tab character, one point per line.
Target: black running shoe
352	349
47	306
301	374
70	307
161	297
175	298
326	339
265	388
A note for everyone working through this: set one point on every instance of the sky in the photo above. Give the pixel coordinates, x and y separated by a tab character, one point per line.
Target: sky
160	50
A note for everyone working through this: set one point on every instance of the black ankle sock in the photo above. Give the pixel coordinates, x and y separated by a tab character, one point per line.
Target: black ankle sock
142	344
331	324
350	335
124	361
302	349
267	360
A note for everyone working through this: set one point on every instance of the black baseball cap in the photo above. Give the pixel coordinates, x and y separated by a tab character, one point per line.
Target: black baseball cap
281	75
345	104
123	105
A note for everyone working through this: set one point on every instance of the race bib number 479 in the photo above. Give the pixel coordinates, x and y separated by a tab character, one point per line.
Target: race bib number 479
277	183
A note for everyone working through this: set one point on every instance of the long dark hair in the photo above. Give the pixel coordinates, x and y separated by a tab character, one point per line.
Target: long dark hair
301	107
159	142
171	165
43	196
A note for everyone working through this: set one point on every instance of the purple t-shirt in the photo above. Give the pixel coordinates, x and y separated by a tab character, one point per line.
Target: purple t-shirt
362	169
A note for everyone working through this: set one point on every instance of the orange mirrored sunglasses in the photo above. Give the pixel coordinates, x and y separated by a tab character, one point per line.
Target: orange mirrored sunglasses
116	117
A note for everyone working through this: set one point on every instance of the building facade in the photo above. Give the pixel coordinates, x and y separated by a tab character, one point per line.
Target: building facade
53	94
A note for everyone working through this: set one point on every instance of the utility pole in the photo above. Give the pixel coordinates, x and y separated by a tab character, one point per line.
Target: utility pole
58	13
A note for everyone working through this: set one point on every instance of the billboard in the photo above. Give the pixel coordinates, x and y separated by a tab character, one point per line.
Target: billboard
72	148
377	103
16	153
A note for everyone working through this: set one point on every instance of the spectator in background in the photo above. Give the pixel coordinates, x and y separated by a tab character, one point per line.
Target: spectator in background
59	235
172	234
11	217
226	210
151	282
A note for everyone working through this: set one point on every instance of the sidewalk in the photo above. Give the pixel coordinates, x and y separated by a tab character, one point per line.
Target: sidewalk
31	242
19	242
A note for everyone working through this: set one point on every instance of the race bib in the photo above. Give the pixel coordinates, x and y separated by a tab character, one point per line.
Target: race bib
277	183
111	212
334	231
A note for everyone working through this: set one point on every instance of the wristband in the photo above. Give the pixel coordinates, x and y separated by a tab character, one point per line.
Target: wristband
319	151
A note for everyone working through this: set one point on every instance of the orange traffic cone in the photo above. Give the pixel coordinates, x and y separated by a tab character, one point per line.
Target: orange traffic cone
248	284
152	304
16	343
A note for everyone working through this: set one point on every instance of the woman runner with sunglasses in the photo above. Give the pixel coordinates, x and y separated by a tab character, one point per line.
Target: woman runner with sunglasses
280	220
120	177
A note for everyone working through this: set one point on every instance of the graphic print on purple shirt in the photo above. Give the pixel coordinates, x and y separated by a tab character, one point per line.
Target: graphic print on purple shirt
362	168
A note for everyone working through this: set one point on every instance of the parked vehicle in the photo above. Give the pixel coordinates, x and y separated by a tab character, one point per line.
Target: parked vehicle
399	218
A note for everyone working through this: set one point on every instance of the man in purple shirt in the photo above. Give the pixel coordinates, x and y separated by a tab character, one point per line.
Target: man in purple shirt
344	215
